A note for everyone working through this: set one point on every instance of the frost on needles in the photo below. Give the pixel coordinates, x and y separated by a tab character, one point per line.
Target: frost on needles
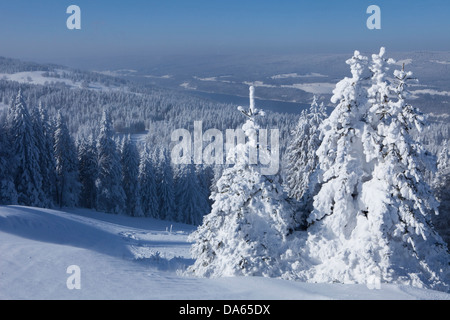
367	204
250	217
372	215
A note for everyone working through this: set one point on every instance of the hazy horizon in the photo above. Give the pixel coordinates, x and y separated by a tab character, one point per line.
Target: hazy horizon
118	31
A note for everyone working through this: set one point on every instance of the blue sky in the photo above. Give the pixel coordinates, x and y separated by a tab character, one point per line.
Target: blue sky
37	29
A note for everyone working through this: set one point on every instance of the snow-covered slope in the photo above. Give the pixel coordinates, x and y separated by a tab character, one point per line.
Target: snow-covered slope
133	258
39	78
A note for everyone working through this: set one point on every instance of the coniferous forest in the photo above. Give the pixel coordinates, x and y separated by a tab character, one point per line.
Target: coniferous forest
245	151
357	194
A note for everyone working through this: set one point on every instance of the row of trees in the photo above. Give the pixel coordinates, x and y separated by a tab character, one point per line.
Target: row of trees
359	209
42	166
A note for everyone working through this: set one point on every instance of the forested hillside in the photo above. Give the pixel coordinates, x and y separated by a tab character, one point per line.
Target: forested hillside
63	108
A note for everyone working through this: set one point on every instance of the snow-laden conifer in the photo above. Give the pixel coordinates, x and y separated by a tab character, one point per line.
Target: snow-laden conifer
66	160
192	203
398	202
342	172
442	187
166	187
87	170
340	155
147	186
26	170
130	177
301	159
250	218
371	218
43	133
110	194
8	193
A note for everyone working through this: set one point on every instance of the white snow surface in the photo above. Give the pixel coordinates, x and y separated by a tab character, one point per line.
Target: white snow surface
37	78
315	88
135	258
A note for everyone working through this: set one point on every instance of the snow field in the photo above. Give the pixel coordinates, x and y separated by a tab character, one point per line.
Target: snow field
134	258
37	78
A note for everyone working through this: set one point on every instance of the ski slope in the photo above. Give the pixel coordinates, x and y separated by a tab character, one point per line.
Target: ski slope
134	258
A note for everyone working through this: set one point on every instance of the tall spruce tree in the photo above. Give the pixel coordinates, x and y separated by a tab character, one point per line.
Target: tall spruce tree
442	187
130	177
166	187
148	195
371	217
341	162
44	143
192	203
88	171
301	158
67	184
110	194
249	221
8	193
398	200
48	164
26	169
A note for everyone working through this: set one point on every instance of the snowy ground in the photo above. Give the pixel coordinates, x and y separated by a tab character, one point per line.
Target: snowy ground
134	258
37	78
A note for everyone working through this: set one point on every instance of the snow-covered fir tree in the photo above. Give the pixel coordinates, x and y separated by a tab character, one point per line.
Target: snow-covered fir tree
148	196
398	199
26	170
217	174
67	184
371	218
300	157
442	187
130	177
110	194
8	193
249	221
43	134
87	171
205	175
341	170
48	164
207	179
192	203
165	187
